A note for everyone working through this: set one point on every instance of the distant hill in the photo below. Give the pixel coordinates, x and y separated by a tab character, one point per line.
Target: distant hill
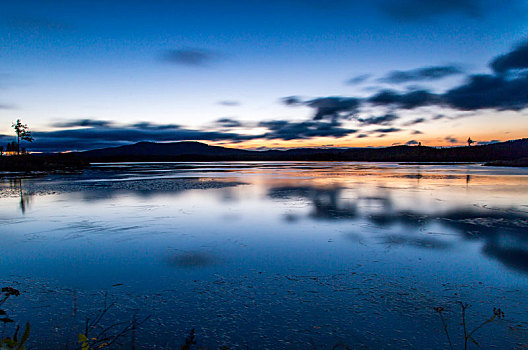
196	151
172	149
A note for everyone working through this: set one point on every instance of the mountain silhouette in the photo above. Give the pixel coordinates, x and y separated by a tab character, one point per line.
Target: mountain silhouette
197	151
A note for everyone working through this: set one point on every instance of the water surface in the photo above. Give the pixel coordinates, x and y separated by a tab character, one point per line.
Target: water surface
270	254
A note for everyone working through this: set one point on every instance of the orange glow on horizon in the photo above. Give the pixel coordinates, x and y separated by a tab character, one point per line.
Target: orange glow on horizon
372	141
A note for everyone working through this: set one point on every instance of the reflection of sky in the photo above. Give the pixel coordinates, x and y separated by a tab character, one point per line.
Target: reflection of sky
430	224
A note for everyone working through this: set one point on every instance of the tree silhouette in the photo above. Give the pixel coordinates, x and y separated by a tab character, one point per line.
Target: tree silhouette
11	148
470	141
23	134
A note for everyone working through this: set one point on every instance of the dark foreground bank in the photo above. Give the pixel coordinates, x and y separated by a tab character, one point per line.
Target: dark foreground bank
523	162
29	162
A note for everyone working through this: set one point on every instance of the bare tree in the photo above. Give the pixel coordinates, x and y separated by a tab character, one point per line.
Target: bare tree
22	132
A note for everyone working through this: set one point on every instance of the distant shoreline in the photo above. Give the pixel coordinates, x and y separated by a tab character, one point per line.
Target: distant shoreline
512	153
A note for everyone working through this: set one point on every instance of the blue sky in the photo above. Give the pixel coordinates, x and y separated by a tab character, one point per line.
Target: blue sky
190	64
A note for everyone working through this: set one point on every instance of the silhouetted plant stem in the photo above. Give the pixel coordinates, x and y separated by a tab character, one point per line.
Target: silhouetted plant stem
468	335
464	307
444	323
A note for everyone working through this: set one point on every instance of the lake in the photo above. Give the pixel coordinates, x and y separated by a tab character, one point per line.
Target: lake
269	255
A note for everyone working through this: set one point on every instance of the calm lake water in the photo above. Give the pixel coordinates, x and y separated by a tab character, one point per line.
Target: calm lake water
270	255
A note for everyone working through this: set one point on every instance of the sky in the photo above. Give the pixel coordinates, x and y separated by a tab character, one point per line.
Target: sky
264	74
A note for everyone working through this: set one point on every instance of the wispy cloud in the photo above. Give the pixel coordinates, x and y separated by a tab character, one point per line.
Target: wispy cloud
358	79
415	121
420	74
228	123
229	103
194	57
386	119
451	139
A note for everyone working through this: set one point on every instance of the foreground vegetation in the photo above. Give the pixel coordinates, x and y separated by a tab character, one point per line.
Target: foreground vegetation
95	335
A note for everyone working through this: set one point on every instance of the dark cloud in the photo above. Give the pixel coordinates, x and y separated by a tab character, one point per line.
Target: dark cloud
451	139
489	91
412	10
292	100
334	107
151	126
439	116
415	121
358	79
515	59
386	119
387	130
407	100
360	136
229	103
412	143
82	123
133	134
420	74
228	123
417	132
285	130
190	57
90	134
109	134
479	91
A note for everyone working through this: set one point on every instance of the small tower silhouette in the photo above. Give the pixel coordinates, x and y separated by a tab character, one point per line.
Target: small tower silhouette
470	141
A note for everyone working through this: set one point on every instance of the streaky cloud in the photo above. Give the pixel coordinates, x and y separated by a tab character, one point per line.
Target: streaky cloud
152	126
387	130
229	103
358	79
286	130
292	100
420	74
483	91
386	119
194	57
513	60
451	139
407	100
415	121
82	123
228	123
334	107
